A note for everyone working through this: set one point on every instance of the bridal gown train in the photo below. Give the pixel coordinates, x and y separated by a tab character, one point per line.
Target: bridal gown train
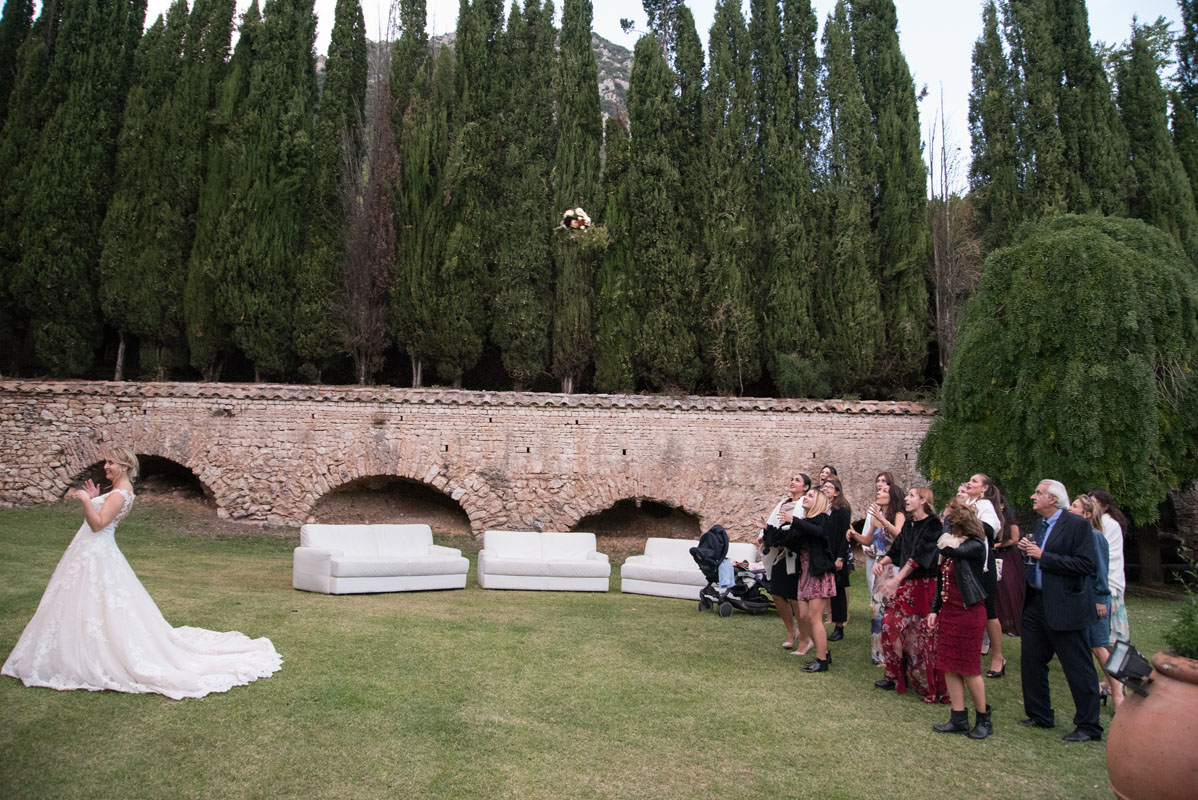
96	627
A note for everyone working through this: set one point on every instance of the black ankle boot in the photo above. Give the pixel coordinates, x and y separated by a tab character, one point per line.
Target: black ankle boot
958	722
818	665
836	635
983	728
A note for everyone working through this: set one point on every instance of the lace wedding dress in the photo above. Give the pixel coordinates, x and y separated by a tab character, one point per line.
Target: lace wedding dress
97	628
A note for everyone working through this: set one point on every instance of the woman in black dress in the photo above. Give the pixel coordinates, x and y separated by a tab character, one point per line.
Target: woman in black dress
782	565
841	514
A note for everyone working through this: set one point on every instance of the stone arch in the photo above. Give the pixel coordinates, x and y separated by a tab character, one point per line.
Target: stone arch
391	498
86	453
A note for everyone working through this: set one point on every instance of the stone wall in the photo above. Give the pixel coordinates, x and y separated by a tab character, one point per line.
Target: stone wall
267	453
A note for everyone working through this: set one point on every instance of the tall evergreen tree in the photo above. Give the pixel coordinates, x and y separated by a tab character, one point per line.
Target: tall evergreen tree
616	321
141	280
221	209
70	180
731	340
256	290
337	128
1185	99
993	177
900	204
15	24
667	352
692	146
575	184
411	67
1161	193
851	324
420	213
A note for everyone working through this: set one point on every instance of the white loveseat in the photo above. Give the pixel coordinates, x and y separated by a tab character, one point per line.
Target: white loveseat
352	559
562	562
667	568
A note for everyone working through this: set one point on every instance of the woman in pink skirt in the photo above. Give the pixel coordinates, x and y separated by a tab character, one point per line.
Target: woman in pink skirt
959	617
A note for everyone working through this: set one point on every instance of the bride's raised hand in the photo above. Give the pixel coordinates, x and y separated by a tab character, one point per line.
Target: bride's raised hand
91	489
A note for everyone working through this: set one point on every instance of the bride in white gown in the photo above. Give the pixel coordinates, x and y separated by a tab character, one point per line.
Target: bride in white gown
97	627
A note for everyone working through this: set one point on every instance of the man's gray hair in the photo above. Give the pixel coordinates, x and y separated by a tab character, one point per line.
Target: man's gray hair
1057	490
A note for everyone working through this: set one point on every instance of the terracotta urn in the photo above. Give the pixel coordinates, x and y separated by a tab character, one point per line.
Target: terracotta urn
1152	751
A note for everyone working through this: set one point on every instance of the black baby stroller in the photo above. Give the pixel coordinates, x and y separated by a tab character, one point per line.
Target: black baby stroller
740	588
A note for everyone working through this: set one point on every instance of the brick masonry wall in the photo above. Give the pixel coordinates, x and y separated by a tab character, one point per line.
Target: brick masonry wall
267	453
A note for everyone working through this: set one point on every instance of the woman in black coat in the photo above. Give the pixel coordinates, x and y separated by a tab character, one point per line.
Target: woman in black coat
812	538
841	514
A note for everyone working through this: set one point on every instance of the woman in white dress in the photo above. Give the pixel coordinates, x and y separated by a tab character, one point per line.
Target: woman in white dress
97	628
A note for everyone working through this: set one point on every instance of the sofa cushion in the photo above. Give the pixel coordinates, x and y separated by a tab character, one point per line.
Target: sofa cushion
670	550
667	573
384	540
520	545
578	568
567	546
381	566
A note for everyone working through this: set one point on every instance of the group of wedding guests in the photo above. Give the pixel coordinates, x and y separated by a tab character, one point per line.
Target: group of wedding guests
944	589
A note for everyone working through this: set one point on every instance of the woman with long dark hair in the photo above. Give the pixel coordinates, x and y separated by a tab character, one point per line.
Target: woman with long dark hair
882	524
908	644
841	514
959	618
1011	580
1113	526
1099	634
782	564
983	496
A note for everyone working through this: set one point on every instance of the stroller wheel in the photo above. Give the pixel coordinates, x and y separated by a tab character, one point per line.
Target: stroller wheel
725	609
704	603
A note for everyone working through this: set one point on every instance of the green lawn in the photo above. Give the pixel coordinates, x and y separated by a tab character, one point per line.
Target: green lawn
495	694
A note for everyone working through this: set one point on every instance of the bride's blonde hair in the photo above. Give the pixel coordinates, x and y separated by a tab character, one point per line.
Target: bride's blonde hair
127	459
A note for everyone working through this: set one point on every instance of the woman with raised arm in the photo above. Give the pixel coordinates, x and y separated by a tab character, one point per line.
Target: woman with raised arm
782	565
97	628
841	514
811	537
983	495
882	524
908	644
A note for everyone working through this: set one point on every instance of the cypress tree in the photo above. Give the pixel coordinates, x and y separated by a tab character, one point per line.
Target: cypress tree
731	341
15	24
692	145
411	68
667	351
142	239
420	219
900	204
1185	98
256	291
575	184
337	128
851	325
70	179
524	271
221	209
616	320
1160	193
993	176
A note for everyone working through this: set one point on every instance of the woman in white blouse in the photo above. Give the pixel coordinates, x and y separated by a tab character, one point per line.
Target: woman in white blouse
983	495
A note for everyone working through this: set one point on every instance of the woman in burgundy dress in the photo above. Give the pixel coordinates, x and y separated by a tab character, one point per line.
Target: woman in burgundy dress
908	644
1011	582
959	617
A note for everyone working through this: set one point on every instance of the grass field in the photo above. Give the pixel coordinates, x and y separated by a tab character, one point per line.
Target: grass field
495	694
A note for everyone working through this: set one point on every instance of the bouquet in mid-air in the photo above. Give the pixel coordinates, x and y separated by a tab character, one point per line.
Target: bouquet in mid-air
575	219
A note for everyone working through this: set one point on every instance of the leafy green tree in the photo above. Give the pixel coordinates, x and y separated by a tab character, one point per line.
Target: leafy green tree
70	180
575	184
221	210
1161	194
731	338
667	351
420	215
524	270
15	24
337	129
993	172
616	321
1049	355
141	276
900	205
849	303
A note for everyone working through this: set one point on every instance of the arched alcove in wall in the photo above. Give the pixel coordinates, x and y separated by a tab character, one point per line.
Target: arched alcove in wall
621	529
158	477
386	498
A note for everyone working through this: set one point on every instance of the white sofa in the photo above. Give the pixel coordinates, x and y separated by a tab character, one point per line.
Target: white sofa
667	568
562	562
352	559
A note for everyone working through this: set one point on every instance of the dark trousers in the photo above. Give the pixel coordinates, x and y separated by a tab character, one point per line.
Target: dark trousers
840	603
1039	643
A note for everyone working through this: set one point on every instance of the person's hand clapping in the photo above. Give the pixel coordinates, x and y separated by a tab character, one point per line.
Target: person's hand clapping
92	490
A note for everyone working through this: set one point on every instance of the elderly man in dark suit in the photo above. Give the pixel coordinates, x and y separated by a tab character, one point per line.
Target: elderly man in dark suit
1057	610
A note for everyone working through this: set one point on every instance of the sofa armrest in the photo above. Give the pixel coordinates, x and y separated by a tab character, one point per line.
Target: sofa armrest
595	555
443	552
315	559
641	559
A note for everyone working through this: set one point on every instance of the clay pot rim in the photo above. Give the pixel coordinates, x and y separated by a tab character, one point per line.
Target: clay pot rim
1176	667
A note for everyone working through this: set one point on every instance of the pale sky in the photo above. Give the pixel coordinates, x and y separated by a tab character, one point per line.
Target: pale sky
937	36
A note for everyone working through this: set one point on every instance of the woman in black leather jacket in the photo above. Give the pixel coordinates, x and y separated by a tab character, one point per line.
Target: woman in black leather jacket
814	539
959	617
